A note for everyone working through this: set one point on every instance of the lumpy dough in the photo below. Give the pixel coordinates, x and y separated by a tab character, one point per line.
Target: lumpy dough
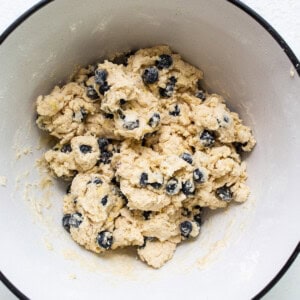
146	148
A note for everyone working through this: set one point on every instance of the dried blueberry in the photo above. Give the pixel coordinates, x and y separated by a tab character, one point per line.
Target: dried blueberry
201	95
226	119
91	93
85	149
198	219
187	157
207	138
175	112
104	88
130	125
154	120
105	157
104	200
186	228
66	148
172	187
122	101
150	75
105	239
188	187
121	114
72	220
239	147
164	61
224	193
108	116
103	143
146	214
198	176
144	179
167	92
100	76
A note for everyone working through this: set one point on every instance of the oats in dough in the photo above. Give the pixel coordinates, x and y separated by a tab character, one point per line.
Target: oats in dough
146	148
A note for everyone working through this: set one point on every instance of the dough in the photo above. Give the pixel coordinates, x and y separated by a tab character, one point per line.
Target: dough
145	149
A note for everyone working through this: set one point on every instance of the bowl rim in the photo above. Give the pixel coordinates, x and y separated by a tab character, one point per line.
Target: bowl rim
281	42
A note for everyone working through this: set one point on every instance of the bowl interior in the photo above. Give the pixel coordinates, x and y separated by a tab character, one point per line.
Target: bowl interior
240	60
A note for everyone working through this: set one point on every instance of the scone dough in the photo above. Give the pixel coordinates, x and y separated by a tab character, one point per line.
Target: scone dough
145	149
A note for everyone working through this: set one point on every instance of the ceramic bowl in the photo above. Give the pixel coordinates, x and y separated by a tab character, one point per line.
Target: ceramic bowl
240	250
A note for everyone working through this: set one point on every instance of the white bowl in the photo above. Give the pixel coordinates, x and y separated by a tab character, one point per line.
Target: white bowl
239	251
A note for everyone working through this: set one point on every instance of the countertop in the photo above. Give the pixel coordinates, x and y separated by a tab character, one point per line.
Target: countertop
284	17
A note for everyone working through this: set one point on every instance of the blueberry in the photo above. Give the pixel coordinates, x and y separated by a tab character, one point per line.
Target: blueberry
105	157
154	120
97	181
198	176
172	187
103	143
224	193
156	185
167	92
150	75
85	149
66	148
188	187
146	214
104	200
226	119
122	101
72	220
104	88
201	95
207	138
108	116
91	93
175	112
100	76
144	179
198	219
105	239
68	191
131	125
186	228
187	157
164	61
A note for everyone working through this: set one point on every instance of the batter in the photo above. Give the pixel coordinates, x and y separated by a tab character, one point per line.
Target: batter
146	148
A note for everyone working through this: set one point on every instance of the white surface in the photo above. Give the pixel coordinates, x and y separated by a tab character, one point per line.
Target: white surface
284	17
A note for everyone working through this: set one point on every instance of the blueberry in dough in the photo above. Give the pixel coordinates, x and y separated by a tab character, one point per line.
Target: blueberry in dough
175	112
146	214
156	185
72	220
198	219
105	239
108	116
186	228
91	93
167	92
154	120
198	176
188	187
150	75
97	181
66	148
187	157
104	200
85	149
207	138
105	157
224	193
100	76
122	101
103	143
164	61
144	179
104	88
172	187
201	95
